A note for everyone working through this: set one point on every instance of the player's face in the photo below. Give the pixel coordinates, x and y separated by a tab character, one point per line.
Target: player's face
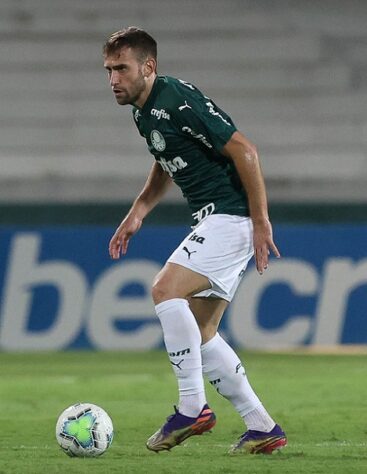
125	73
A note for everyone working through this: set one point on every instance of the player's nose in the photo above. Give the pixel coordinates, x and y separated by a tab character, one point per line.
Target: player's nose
114	78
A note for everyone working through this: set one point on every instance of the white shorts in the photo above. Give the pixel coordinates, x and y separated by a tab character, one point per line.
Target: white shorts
219	248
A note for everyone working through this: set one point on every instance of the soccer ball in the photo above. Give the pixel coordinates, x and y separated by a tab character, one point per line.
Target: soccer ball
84	430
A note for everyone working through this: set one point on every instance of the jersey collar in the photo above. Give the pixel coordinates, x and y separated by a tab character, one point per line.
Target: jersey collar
151	97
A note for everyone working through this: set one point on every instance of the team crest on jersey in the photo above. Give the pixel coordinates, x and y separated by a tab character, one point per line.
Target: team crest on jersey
157	140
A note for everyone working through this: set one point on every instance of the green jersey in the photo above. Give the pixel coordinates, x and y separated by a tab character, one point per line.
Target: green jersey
186	132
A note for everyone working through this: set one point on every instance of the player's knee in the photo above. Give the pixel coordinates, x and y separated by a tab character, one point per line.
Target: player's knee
161	292
157	293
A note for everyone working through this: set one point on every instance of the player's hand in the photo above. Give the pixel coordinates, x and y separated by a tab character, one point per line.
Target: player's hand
120	239
263	244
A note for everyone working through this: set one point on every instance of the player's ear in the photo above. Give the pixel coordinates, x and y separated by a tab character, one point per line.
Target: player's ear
150	67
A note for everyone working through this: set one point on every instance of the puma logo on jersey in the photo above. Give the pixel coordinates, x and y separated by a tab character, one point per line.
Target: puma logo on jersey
185	106
188	252
172	166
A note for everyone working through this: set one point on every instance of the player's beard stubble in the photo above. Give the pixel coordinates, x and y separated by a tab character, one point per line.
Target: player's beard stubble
130	95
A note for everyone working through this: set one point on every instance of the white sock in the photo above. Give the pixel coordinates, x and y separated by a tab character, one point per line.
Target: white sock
259	420
182	339
226	373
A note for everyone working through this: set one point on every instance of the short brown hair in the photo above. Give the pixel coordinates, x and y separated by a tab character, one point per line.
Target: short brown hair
134	38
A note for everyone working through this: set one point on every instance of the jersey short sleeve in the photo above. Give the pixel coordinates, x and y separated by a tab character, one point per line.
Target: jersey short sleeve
201	118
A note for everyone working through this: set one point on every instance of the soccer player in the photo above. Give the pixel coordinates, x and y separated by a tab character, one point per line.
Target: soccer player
196	145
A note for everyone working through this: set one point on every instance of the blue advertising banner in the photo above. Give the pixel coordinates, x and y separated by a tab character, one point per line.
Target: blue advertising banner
60	290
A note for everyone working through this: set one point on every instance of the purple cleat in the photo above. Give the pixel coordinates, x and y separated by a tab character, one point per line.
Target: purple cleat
260	442
180	427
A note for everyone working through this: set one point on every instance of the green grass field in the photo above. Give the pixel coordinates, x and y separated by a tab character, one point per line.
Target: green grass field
319	400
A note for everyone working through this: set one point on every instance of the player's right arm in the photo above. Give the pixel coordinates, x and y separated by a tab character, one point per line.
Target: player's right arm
155	187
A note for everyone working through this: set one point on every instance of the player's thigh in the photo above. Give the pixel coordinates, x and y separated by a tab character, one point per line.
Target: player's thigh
176	281
208	313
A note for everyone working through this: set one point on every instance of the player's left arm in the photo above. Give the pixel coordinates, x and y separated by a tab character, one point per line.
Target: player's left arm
244	155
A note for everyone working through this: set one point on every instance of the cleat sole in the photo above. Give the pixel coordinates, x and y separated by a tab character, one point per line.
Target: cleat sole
268	446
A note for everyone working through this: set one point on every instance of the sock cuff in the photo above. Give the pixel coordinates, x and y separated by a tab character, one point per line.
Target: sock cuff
210	344
168	304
